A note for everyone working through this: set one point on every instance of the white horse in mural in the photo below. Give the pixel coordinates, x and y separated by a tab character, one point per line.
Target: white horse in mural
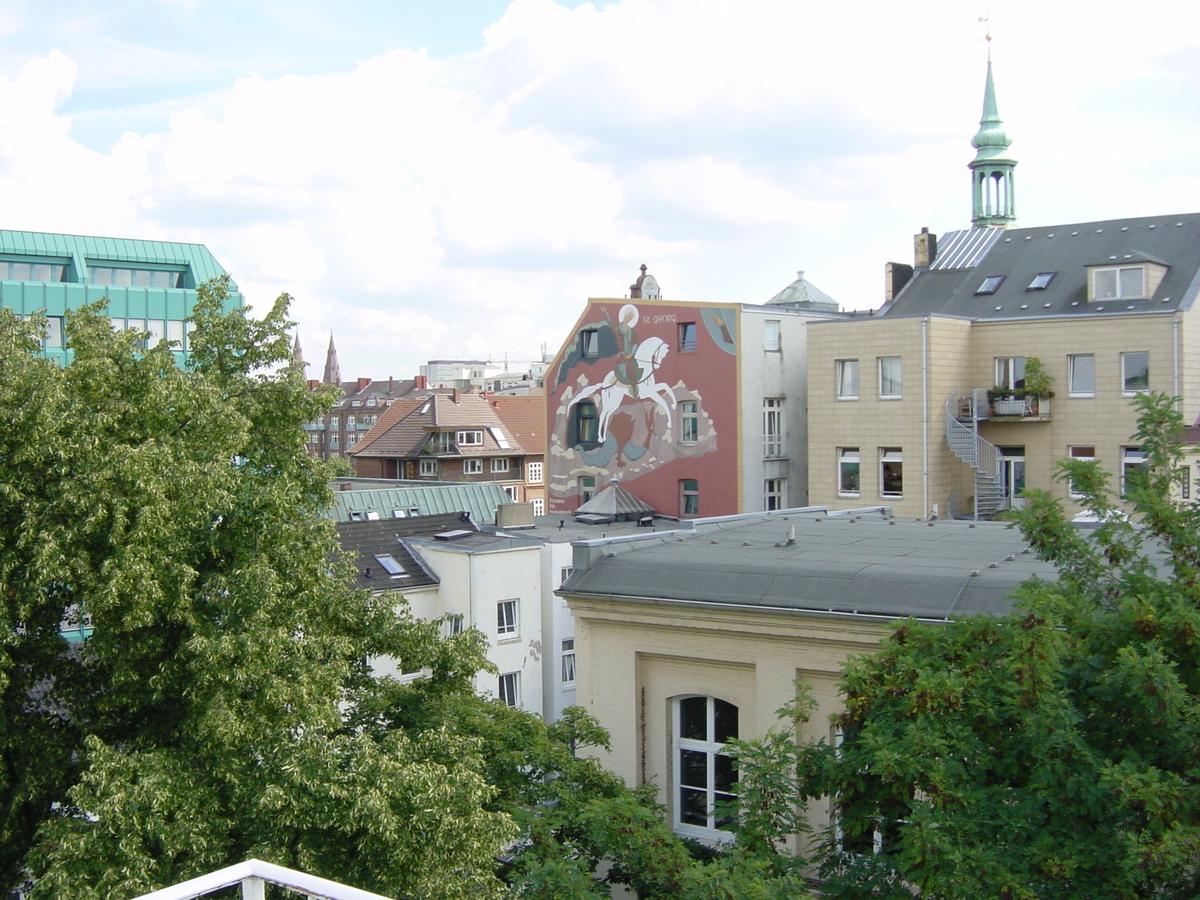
612	391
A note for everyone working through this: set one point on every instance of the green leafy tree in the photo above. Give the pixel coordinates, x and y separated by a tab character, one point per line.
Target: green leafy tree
170	516
1051	753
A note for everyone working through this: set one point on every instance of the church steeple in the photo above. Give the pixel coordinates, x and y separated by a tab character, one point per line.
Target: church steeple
333	372
991	170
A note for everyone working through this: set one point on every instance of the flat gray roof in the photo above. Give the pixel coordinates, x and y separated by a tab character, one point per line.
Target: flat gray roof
865	564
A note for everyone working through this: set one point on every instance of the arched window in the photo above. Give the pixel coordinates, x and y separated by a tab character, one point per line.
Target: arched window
703	775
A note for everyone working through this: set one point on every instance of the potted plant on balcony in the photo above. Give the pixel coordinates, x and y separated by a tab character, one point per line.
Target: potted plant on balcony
1025	400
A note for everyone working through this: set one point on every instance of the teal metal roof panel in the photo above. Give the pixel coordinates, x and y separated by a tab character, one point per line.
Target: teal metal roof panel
478	499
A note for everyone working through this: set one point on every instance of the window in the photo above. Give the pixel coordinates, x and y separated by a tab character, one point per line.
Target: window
539	506
990	285
568	661
774	490
1133	459
351	440
689	421
390	564
889	377
469	438
399	514
587	488
511	491
847	379
54	331
1119	283
1183	475
472	466
441	442
1083	454
1010	372
335	440
849	471
126	277
11	270
510	689
1135	372
349	421
1081	374
506	617
564	573
773	442
891	472
500	464
586	423
687	337
533	472
704	775
453	624
1041	281
771	334
175	332
589	342
689	497
429	468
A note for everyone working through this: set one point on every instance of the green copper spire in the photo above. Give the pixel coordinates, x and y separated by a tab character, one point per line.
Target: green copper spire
992	170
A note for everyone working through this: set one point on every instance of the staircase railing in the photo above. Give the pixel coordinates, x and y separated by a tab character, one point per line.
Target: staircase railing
983	457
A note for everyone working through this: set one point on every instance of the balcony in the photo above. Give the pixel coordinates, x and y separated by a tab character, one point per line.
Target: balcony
983	405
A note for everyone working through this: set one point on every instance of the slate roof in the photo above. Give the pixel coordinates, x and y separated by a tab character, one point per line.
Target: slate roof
404	429
388	536
966	258
867	564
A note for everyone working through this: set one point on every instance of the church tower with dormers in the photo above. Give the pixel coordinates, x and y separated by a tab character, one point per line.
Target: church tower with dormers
992	200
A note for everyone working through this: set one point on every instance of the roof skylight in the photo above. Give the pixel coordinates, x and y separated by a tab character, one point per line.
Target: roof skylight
1040	281
390	565
990	285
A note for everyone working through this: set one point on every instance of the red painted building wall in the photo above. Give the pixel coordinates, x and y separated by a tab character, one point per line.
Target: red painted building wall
646	391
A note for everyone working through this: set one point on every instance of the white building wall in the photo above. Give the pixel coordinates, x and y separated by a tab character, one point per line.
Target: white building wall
782	374
557	626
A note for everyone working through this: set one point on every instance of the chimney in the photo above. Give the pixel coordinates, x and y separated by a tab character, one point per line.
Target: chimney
420	382
895	277
391	384
456	395
362	383
924	248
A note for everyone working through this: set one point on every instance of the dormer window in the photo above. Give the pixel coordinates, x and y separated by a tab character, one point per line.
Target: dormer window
1118	283
470	438
990	285
1041	281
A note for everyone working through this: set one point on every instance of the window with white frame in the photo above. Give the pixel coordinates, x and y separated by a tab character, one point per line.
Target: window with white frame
564	573
1081	374
511	491
469	438
1183	477
568	661
890	380
453	624
510	689
500	464
429	468
472	466
506	617
441	442
774	493
351	440
704	776
849	472
771	334
689	421
1119	283
1133	459
1083	454
1135	372
847	379
689	497
1010	372
335	440
539	506
349	422
773	437
891	472
533	472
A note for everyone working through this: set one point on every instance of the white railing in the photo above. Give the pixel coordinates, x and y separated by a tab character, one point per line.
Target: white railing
254	875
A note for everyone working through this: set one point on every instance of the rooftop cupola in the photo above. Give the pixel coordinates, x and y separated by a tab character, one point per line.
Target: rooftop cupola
991	169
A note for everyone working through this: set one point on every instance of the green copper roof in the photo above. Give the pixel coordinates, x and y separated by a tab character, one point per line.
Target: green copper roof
991	140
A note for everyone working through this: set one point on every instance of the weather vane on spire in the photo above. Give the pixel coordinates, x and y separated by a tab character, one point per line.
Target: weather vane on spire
986	19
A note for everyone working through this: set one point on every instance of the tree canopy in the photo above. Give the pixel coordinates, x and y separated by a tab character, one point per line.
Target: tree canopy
1051	753
168	519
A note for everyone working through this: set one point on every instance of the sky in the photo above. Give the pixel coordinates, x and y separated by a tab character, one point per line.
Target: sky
452	179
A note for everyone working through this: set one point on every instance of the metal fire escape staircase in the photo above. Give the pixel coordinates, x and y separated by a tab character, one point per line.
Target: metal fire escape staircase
962	434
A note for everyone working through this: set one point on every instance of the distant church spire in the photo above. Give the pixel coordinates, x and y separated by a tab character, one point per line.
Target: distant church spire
991	169
298	355
333	372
